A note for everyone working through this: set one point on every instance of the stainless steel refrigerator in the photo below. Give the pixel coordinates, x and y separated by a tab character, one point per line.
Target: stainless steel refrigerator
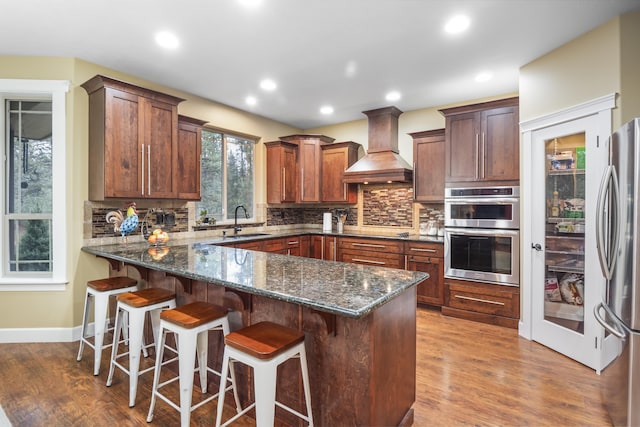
618	240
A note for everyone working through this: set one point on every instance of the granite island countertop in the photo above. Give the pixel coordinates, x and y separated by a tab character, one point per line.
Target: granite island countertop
344	289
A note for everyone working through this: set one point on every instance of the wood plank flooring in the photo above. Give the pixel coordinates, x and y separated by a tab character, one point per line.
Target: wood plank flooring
468	374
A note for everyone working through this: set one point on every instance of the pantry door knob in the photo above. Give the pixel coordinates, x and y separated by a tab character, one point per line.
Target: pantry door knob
536	246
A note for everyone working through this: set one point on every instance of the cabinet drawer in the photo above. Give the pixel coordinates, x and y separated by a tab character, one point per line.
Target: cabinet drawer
424	249
483	298
379	259
371	245
275	245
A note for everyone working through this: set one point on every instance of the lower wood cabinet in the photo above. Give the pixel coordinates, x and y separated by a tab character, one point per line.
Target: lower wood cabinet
378	252
484	302
428	258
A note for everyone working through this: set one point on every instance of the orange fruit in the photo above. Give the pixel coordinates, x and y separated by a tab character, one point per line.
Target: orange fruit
152	239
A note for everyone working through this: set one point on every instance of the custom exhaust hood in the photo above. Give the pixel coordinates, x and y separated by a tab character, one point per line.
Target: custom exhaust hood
382	163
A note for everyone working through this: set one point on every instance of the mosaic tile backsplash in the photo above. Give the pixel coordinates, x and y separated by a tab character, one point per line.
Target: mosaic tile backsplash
101	228
390	205
295	216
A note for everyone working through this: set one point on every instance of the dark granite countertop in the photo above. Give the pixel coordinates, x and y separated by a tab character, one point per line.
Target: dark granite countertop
344	289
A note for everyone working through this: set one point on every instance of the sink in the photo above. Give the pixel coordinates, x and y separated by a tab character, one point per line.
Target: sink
237	236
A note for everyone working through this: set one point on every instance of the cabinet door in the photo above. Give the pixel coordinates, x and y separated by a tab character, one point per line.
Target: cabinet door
161	129
289	174
188	168
330	248
310	170
336	158
462	147
499	144
428	165
431	290
123	141
315	249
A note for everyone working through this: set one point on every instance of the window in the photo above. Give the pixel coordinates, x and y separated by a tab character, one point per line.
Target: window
33	227
226	176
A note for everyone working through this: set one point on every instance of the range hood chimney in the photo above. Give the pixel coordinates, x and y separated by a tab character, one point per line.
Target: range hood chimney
382	163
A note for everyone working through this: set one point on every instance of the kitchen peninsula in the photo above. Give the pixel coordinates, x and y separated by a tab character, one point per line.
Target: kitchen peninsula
359	321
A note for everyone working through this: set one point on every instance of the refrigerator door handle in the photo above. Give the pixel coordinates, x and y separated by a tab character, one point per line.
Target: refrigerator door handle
608	185
615	330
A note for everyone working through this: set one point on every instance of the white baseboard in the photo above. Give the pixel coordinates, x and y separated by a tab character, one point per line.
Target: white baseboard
33	335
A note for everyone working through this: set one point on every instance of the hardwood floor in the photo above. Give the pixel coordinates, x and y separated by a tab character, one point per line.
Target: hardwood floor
468	374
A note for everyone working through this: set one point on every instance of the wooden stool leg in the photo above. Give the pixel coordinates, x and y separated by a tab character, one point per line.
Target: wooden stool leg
264	383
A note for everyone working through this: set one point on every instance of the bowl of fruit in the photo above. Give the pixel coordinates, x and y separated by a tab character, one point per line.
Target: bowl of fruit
158	237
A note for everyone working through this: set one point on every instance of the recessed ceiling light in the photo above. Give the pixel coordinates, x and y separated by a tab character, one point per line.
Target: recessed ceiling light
457	24
326	110
393	96
250	3
251	100
485	76
167	40
268	84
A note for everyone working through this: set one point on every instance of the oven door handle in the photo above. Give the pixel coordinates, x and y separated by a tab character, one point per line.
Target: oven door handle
484	201
484	232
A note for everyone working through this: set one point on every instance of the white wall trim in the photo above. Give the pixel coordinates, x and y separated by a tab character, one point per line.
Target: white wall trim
41	335
594	106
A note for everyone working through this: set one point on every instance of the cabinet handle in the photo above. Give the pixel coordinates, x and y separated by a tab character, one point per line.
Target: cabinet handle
293	242
406	262
344	191
483	158
433	251
417	261
142	171
479	300
368	245
477	158
284	184
302	185
149	169
368	261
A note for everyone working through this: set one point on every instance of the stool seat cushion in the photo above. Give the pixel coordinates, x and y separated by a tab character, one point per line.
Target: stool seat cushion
111	283
264	340
144	297
194	314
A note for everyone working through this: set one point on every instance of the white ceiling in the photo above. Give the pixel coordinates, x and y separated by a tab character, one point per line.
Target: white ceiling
344	53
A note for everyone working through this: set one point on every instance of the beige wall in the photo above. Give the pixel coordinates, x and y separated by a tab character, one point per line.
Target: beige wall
63	309
583	69
630	66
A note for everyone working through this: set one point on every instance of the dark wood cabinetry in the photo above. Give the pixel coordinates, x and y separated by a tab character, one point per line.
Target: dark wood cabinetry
189	151
482	142
309	165
336	158
428	165
282	158
379	252
483	302
133	141
428	258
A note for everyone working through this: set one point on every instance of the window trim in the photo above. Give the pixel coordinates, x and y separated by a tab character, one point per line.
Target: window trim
56	90
254	139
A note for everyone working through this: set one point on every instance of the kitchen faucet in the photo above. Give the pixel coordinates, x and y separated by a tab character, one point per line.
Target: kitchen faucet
235	216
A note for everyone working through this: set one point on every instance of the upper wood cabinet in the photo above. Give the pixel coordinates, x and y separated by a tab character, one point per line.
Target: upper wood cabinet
282	170
309	165
336	158
428	165
133	141
482	142
189	151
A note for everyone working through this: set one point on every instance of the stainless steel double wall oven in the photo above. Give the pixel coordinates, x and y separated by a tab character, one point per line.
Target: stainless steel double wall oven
482	237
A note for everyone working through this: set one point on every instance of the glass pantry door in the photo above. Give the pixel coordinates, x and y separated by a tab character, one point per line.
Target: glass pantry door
566	282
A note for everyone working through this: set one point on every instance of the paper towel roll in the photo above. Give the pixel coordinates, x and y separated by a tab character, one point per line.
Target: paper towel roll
326	222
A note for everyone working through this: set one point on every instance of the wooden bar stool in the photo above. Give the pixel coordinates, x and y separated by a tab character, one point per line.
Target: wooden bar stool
191	324
264	346
137	304
99	291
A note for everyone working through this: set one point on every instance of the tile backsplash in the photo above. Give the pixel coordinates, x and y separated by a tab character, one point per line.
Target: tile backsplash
390	205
